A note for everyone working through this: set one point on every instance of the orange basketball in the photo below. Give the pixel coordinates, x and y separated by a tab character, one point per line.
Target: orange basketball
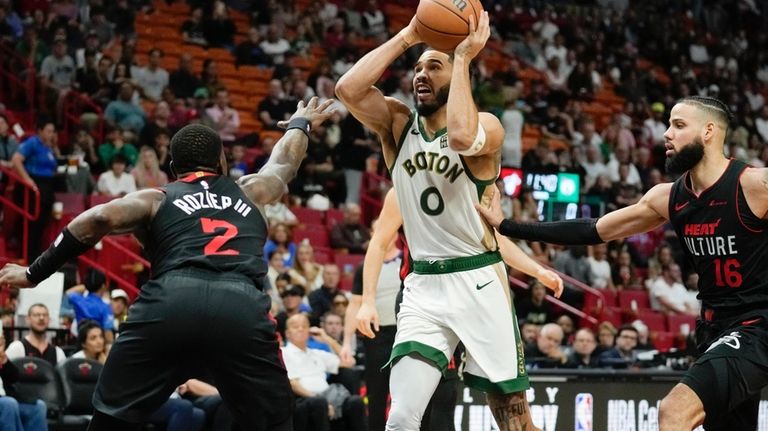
443	24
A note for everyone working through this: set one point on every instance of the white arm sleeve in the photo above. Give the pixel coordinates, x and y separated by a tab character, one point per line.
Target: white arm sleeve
477	145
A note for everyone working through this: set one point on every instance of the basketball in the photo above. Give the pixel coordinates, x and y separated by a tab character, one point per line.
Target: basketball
443	24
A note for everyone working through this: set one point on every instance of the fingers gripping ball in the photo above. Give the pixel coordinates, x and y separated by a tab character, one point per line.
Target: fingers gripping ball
443	24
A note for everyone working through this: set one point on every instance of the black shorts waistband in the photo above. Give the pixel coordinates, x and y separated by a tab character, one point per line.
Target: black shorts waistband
208	275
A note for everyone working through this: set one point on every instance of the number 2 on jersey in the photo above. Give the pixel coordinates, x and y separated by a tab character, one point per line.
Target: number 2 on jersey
214	245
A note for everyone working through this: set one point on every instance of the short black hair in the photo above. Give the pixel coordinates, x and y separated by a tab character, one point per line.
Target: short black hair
44	120
118	158
195	147
94	278
84	328
711	106
626	328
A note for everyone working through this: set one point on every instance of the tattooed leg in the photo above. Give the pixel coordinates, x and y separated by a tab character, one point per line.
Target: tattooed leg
511	412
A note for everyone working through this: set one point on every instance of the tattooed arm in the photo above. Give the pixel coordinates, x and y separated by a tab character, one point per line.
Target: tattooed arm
269	184
511	412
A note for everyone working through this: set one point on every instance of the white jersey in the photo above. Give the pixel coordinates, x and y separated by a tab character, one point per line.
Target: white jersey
437	196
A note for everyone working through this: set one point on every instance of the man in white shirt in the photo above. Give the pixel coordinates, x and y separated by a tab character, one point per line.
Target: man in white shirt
115	182
274	45
153	78
36	343
225	120
654	127
307	370
669	293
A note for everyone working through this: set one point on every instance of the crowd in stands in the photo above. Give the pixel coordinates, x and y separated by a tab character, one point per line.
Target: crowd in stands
590	82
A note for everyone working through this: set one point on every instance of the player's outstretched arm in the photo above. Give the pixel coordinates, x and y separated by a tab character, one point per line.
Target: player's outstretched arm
122	215
269	184
470	133
517	259
650	212
387	226
356	88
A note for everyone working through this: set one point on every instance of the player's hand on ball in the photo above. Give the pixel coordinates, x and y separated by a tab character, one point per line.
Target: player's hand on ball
410	33
366	316
492	213
316	113
479	32
13	275
551	280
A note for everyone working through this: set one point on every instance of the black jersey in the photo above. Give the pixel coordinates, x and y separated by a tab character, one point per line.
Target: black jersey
207	222
726	242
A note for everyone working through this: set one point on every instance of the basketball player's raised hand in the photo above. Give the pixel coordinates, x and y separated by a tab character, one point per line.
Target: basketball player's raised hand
316	113
492	213
551	280
478	34
410	34
13	275
366	316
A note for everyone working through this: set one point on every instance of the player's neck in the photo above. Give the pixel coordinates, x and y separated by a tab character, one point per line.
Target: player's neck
707	172
434	122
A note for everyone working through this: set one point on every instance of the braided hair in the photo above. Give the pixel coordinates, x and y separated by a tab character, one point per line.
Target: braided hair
195	147
712	106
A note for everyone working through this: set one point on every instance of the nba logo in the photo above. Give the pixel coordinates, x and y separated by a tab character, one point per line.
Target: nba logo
583	412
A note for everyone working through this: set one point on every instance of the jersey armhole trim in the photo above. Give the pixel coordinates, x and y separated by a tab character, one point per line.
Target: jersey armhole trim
738	207
479	184
403	134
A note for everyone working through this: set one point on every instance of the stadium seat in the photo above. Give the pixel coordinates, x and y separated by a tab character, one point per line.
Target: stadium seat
100	199
308	215
333	216
38	379
677	321
633	299
72	204
662	340
79	376
654	320
315	234
348	263
611	314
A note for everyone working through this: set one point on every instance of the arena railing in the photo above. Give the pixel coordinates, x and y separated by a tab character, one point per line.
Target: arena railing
24	211
75	104
583	317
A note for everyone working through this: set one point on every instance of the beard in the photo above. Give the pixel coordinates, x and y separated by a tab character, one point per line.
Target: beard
429	108
685	159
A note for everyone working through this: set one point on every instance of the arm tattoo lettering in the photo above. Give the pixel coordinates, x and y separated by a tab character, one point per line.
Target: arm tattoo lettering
510	411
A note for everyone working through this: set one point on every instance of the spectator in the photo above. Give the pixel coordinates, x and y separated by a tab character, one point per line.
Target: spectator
280	240
224	119
566	324
220	30
90	339
292	305
209	79
36	344
275	107
623	354
14	415
594	166
512	120
99	25
404	92
115	145
192	30
333	325
541	159
159	124
123	112
321	299
183	81
307	370
123	17
529	332
654	126
306	271
153	78
58	69
534	309
35	162
249	51
356	145
8	143
606	336
79	177
761	124
669	294
91	45
275	46
277	277
32	47
600	268
178	414
374	22
546	353
147	172
351	234
205	397
340	304
584	345
87	78
278	212
116	182
87	300
119	304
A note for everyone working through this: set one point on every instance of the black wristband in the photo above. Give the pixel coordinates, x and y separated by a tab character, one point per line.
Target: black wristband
570	232
64	248
300	123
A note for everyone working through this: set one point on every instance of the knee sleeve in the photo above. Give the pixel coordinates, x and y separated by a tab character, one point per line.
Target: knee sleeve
412	383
